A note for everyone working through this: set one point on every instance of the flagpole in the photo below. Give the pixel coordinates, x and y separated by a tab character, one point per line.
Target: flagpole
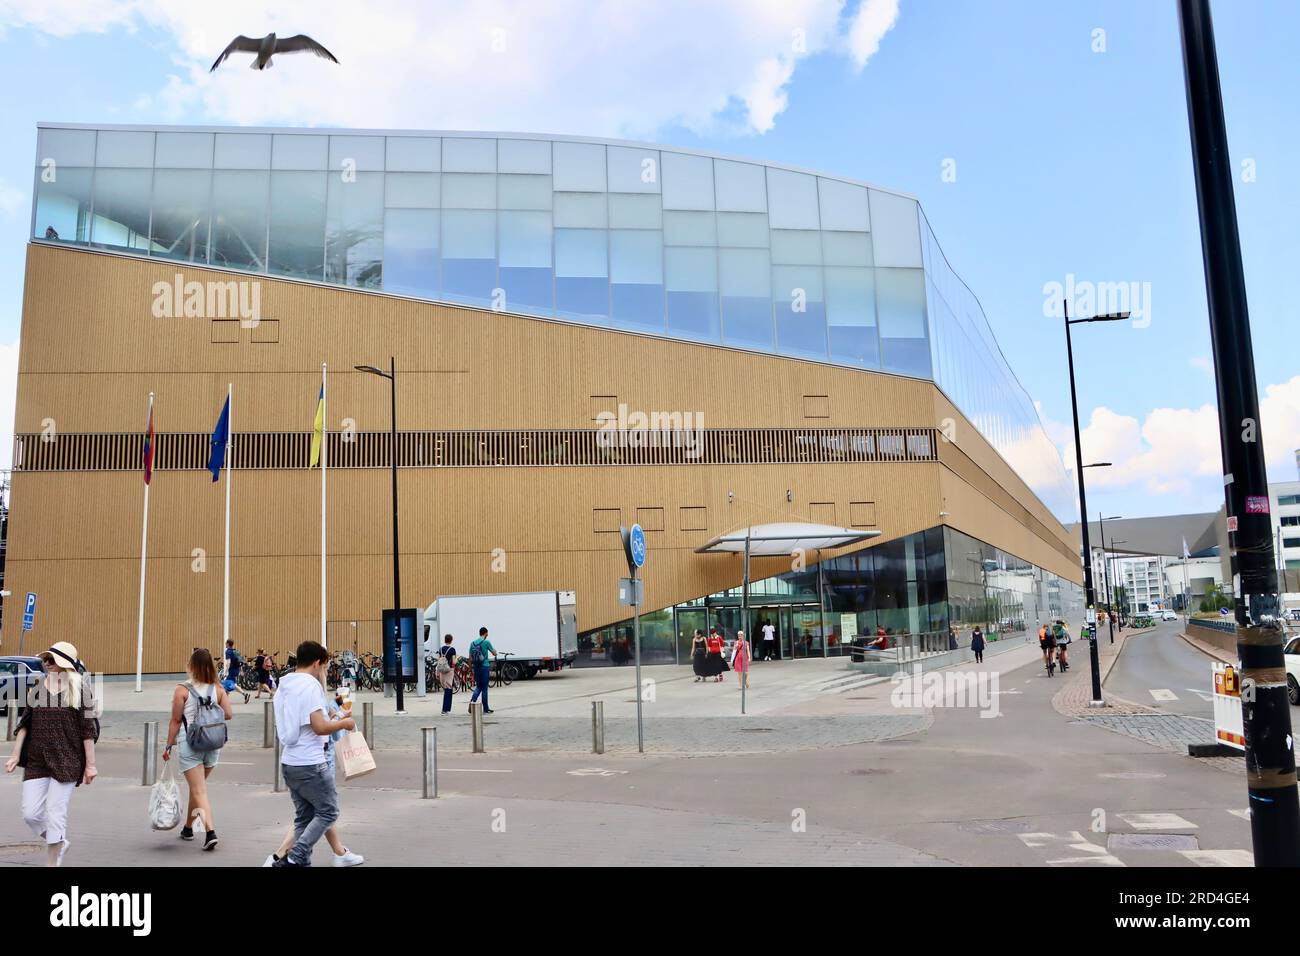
324	433
144	548
225	626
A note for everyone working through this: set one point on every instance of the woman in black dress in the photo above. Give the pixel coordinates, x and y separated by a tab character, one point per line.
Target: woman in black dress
697	655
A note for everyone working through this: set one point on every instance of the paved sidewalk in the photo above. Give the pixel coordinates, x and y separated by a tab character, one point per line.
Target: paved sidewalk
1074	698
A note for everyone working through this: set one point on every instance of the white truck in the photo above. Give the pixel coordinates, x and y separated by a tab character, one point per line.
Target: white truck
537	629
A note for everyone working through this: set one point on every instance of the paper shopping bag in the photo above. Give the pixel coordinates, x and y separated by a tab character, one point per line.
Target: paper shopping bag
355	756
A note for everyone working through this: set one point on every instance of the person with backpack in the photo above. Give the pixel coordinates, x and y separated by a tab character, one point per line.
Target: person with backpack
977	644
55	746
479	650
446	671
304	729
234	664
200	708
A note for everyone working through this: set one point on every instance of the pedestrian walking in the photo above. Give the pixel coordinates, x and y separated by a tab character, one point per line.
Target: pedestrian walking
335	708
262	671
713	656
698	656
302	724
740	656
234	665
55	746
769	641
200	707
478	657
977	644
446	671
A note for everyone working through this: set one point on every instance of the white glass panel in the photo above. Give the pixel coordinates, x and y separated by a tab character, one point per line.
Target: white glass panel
468	234
796	247
124	148
469	155
847	248
67	147
792	200
634	212
412	191
896	236
122	208
243	151
687	181
850	297
633	170
581	253
183	151
740	187
524	156
469	191
691	270
636	257
579	167
297	151
414	154
365	153
581	210
690	229
524	192
747	229
525	239
745	272
843	206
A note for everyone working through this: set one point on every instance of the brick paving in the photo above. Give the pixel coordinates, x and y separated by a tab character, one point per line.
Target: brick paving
1073	699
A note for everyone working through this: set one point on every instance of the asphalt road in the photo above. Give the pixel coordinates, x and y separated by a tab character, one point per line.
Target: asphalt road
1161	670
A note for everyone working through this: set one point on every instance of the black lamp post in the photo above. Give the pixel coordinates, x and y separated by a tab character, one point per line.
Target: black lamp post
1105	570
391	375
1089	596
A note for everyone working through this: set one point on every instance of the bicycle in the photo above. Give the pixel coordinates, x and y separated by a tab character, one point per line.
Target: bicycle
504	673
462	680
1051	661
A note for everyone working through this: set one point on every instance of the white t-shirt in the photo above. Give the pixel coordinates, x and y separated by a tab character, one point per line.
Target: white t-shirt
299	696
769	632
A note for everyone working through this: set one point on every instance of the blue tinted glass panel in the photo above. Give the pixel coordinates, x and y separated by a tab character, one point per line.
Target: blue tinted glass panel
900	302
63	206
745	281
636	278
851	316
122	208
354	231
469	263
526	276
691	278
799	305
582	274
411	252
297	245
179	227
240	199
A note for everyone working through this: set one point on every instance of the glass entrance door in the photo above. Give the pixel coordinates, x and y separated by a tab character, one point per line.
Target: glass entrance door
806	631
688	620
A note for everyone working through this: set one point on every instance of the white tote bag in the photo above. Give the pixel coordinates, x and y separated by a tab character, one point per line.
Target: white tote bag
165	800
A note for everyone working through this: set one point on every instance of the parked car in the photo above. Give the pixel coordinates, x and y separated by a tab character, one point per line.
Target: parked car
1291	652
17	674
1168	616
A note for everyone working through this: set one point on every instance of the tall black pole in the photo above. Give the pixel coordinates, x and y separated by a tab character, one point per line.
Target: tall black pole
1270	758
397	566
1105	572
1083	525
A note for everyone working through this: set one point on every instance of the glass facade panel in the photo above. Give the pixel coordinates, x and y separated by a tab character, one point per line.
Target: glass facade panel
63	204
179	218
796	247
843	206
412	191
411	252
739	187
469	191
293	151
744	229
582	274
524	192
66	147
123	148
183	151
524	156
900	300
469	155
469	255
356	153
692	283
791	199
851	316
688	181
354	231
634	212
242	151
413	154
122	208
525	257
800	310
897	238
632	170
636	268
581	210
690	229
297	242
745	280
579	167
240	200
847	248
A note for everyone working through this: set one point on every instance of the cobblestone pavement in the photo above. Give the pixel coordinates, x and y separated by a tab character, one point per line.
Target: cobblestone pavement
1073	699
758	733
1172	732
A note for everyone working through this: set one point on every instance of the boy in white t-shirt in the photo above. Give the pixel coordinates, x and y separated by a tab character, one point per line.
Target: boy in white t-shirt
769	641
303	728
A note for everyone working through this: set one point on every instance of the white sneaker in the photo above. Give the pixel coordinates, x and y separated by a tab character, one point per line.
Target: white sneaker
348	858
58	861
269	861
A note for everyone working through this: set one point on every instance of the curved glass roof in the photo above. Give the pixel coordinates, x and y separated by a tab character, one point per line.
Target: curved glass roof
619	235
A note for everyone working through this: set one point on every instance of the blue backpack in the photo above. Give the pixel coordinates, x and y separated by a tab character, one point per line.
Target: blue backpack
477	656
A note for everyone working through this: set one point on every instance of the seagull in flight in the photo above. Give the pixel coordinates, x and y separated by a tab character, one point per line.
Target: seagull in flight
268	46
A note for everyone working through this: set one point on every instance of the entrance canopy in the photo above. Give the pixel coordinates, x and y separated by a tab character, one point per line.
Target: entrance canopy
785	537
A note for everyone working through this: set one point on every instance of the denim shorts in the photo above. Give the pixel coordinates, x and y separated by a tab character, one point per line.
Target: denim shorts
190	759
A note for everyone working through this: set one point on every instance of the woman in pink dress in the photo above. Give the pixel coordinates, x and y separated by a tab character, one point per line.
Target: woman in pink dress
740	658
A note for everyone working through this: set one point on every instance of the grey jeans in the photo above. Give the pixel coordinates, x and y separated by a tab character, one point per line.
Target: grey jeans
315	804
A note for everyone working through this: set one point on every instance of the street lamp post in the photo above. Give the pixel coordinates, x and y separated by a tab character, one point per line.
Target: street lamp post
1105	570
1088	595
1113	561
391	375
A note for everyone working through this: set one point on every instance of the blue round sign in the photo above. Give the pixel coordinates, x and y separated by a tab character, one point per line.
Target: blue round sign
636	544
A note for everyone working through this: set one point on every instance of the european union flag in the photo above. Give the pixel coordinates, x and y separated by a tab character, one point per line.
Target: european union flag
220	438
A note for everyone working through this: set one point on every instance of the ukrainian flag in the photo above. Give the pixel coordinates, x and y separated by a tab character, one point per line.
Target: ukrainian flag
318	429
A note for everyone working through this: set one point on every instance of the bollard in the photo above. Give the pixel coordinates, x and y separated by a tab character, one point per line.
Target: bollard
149	771
598	726
430	762
277	778
368	723
476	726
12	732
268	724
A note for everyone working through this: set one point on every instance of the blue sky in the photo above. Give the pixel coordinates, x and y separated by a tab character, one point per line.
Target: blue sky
1069	160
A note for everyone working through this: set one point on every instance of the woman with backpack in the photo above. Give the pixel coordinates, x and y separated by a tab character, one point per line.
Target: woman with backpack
446	671
55	747
201	707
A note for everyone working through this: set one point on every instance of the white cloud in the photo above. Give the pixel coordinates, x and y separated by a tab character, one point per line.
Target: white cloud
600	68
1202	363
8	393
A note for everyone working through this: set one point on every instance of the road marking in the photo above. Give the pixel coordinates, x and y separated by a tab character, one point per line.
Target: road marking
1203	694
593	772
1164	694
1220	857
1244	814
1073	840
1156	821
470	770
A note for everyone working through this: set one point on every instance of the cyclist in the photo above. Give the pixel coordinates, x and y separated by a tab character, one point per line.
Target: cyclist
1048	643
1062	634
